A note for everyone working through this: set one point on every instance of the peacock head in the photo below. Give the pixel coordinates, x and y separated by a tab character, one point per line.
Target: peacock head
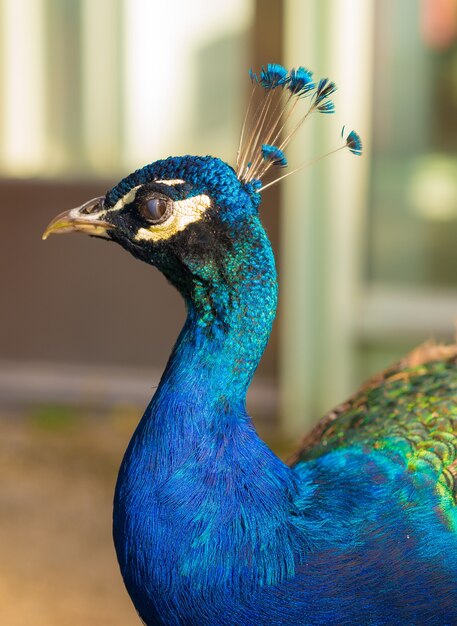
192	216
183	215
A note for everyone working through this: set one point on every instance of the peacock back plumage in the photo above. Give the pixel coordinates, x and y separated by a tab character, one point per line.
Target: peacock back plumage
408	412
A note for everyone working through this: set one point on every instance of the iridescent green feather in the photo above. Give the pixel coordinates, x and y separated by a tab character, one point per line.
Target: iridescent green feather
409	412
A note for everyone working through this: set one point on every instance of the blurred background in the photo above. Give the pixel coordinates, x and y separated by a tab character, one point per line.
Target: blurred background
366	248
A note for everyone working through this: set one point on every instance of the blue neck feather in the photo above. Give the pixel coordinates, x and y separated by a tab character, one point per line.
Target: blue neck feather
228	325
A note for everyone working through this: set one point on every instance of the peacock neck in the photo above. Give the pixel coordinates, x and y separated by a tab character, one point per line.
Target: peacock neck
200	497
230	315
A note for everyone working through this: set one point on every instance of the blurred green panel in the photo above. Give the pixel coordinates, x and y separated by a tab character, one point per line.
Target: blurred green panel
413	213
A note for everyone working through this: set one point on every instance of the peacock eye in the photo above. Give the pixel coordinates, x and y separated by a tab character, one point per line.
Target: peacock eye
156	209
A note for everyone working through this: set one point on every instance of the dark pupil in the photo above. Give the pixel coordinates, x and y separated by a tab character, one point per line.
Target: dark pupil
155	208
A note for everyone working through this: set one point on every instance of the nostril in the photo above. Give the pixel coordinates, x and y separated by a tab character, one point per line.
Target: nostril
91	206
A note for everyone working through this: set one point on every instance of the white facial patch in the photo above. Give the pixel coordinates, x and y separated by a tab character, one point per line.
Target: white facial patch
129	197
184	212
172	182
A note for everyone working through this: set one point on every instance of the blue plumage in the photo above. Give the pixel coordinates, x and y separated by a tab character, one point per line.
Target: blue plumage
301	81
274	154
354	143
274	75
326	107
210	527
324	89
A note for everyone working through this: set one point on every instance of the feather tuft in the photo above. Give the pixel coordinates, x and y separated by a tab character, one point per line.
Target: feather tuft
301	81
325	88
274	154
253	76
354	143
276	111
273	76
327	107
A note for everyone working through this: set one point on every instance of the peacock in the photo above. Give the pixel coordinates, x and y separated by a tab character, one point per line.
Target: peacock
210	526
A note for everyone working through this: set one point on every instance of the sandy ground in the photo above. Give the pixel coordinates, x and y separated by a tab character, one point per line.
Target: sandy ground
57	560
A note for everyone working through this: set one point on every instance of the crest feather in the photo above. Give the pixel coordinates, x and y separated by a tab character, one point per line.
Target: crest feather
262	141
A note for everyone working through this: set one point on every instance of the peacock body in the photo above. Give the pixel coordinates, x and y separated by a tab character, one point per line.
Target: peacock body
210	527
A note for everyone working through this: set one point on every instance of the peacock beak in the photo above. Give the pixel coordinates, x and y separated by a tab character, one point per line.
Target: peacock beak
84	219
